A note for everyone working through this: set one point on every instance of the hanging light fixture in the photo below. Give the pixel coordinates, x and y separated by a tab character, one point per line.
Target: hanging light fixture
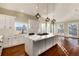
37	15
47	19
53	22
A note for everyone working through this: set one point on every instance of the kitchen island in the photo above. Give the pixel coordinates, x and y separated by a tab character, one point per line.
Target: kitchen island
37	44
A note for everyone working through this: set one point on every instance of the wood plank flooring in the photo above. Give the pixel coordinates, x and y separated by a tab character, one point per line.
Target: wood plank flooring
19	51
54	51
14	51
72	46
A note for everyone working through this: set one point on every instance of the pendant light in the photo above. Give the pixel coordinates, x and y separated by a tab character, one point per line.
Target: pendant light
37	14
53	22
47	19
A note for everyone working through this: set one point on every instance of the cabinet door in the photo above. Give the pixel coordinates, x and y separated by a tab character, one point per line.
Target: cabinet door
10	42
42	46
51	42
7	21
6	43
10	22
2	21
20	39
36	48
15	41
47	43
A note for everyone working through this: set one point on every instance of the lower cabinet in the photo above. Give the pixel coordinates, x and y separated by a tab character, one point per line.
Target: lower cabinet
1	47
43	45
13	41
39	47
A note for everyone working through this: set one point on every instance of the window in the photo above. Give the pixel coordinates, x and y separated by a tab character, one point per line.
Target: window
72	29
60	29
20	26
48	27
43	28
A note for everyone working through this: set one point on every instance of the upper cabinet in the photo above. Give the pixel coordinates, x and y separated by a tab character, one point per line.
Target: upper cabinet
10	22
7	22
2	21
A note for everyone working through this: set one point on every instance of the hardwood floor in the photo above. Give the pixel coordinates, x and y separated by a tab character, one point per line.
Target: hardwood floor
19	51
71	46
54	51
14	51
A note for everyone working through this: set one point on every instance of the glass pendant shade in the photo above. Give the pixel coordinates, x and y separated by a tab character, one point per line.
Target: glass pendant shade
47	19
53	21
37	15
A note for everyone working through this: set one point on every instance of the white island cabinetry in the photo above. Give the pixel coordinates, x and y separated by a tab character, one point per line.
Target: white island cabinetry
35	44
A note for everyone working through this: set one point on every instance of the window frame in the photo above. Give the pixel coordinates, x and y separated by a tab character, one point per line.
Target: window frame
22	25
63	28
77	29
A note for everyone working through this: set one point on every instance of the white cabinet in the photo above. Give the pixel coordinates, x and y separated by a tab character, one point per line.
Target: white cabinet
7	22
13	41
35	48
7	28
5	43
10	22
42	46
2	21
39	47
48	43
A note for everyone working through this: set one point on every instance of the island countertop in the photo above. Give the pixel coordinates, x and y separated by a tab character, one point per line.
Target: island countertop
40	37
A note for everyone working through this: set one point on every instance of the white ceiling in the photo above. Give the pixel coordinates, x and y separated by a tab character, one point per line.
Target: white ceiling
60	11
